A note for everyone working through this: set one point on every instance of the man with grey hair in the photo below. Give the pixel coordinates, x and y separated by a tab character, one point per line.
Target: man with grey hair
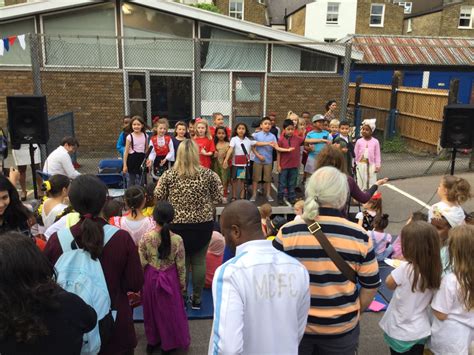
336	304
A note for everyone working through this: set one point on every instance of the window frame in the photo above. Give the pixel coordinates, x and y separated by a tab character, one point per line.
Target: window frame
461	13
237	12
382	15
332	13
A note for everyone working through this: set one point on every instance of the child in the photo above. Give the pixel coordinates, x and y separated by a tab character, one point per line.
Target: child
135	223
191	127
274	225
112	208
367	156
381	240
317	139
406	322
150	199
452	191
163	149
205	143
162	256
453	305
218	121
240	136
371	209
344	142
262	167
334	128
121	139
397	244
288	162
180	131
136	144
57	189
221	142
298	209
214	256
265	214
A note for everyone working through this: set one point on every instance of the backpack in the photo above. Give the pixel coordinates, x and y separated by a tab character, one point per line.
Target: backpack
78	273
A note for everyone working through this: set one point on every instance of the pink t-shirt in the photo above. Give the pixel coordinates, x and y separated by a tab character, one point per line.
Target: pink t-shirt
139	143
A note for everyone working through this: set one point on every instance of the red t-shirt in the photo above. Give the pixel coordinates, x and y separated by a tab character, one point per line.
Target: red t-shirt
208	145
291	159
212	130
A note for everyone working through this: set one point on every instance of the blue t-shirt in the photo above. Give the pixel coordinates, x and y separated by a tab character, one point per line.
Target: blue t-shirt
267	150
318	146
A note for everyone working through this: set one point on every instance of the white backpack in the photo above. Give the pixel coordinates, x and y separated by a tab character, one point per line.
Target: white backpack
78	273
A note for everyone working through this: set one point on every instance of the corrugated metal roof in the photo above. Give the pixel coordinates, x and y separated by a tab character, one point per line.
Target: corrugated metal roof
404	50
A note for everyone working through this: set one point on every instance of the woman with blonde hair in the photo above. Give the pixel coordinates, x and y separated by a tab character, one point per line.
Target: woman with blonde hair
193	191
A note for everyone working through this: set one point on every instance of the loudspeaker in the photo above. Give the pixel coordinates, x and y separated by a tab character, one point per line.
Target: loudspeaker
458	126
27	119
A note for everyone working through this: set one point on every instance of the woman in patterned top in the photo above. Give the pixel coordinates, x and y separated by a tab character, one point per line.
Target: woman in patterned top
162	256
193	191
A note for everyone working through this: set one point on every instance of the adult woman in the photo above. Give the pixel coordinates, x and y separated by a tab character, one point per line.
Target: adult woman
14	216
22	159
335	309
331	107
192	191
332	156
119	257
36	315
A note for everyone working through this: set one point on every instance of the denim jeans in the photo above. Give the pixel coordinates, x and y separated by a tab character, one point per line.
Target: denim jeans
287	180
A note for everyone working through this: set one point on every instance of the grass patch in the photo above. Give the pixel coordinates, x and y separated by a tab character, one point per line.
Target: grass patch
394	145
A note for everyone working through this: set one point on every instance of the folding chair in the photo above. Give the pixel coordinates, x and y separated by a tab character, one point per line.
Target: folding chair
113	181
110	166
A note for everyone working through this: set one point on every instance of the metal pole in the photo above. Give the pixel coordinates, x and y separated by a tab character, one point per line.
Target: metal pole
197	78
346	77
35	63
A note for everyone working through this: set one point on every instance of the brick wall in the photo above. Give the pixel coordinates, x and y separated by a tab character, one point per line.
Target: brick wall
13	83
450	21
427	25
300	94
298	22
96	100
253	11
392	23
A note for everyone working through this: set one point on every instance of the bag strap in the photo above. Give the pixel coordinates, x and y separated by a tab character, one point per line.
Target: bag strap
67	242
336	258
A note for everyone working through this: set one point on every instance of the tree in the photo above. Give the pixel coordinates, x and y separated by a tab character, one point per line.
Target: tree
207	7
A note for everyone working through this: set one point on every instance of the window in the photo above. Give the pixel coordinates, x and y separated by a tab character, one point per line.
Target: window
16	55
290	23
406	6
290	59
465	17
376	15
332	13
248	88
137	95
236	9
409	29
329	40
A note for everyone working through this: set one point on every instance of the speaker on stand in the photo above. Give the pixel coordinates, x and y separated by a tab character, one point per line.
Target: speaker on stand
28	124
457	131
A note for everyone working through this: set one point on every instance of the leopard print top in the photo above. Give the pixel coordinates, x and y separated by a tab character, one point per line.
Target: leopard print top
193	198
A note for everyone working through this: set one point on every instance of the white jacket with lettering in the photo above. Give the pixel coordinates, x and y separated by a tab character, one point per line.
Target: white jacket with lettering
261	302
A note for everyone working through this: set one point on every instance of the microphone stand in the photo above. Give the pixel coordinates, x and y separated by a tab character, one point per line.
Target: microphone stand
33	170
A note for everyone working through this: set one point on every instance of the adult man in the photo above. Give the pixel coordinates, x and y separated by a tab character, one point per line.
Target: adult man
261	295
59	161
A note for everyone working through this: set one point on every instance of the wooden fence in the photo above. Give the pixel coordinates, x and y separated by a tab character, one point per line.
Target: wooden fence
420	112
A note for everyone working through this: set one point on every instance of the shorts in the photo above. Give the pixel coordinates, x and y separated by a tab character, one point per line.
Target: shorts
310	164
233	171
259	169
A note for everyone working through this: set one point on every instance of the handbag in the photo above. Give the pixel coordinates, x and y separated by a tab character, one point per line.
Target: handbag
336	258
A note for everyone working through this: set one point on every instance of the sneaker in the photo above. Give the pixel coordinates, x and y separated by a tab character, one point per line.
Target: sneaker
253	198
270	199
195	305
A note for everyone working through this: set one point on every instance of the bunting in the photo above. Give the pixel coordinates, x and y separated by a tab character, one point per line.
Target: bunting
7	42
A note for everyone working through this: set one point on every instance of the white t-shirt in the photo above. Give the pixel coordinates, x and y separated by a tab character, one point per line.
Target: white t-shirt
453	214
407	315
459	323
236	144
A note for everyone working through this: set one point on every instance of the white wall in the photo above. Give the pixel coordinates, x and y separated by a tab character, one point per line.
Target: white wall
316	26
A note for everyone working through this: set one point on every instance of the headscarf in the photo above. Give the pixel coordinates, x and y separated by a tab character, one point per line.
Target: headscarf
370	122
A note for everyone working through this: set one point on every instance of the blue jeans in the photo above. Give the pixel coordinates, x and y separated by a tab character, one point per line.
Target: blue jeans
287	180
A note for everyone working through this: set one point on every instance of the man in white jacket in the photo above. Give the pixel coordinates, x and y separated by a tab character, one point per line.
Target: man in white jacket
261	296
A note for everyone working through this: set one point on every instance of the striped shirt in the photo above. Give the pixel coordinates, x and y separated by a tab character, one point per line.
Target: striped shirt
334	299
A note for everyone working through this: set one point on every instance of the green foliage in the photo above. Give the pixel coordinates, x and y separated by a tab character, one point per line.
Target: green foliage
207	7
394	145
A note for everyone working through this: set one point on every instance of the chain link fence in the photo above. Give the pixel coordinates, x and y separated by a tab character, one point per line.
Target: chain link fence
99	80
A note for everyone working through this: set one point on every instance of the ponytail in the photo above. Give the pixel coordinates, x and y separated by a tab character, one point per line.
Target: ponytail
163	214
92	236
135	199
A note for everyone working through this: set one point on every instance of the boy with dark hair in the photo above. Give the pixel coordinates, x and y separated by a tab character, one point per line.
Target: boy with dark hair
317	139
344	142
288	162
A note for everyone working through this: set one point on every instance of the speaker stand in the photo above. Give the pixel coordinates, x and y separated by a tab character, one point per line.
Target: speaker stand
33	170
453	160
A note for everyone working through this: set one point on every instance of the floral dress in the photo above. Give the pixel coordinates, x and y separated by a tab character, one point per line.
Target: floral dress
224	174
